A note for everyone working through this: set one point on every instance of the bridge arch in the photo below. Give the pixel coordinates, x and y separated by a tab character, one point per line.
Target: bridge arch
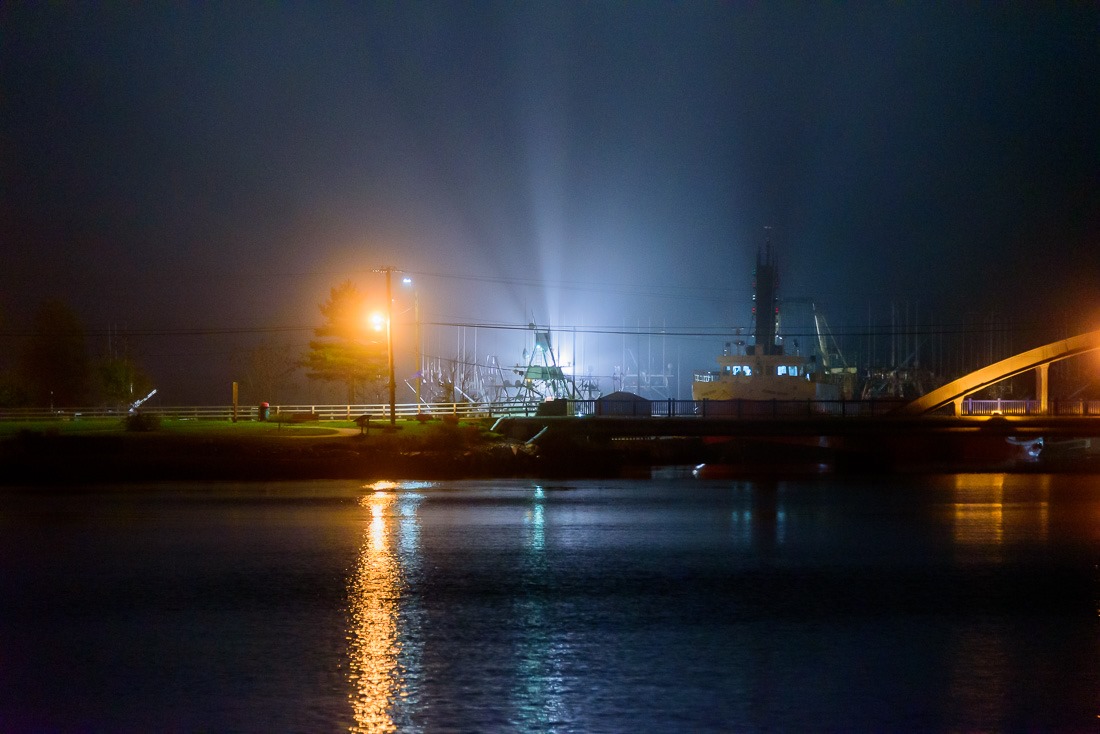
1038	359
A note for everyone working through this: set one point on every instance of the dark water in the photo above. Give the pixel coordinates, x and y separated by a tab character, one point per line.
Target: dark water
950	603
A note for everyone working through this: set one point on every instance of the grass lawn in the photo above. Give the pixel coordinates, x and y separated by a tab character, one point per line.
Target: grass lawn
85	450
411	429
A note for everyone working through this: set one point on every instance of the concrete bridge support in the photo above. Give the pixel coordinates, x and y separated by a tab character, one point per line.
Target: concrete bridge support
1042	387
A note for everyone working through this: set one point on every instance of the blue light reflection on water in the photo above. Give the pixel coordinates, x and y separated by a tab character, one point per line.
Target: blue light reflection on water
965	602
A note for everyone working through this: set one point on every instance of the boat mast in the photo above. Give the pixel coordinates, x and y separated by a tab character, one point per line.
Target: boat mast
765	308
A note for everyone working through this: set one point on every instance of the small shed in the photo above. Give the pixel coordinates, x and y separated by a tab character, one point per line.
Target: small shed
621	402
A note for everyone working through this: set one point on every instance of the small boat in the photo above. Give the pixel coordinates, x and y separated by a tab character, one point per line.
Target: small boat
743	471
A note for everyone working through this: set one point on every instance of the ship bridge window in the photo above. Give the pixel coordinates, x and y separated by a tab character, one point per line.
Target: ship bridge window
737	369
784	369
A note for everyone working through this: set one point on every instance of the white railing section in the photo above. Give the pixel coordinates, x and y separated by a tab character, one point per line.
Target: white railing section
376	411
1030	407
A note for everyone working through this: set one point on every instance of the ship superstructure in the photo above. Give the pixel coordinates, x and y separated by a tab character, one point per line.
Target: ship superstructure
759	371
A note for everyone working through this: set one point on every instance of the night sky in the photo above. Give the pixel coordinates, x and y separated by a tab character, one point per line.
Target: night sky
203	174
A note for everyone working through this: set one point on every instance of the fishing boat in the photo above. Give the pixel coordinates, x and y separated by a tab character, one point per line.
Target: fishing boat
752	376
762	371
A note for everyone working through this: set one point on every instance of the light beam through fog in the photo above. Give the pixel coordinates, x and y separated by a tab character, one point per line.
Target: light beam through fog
198	178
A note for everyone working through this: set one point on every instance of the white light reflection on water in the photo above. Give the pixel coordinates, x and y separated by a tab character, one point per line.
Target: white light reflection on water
538	693
759	517
535	522
384	657
741	518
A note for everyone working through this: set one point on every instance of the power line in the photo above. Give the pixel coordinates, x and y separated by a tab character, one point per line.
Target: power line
686	330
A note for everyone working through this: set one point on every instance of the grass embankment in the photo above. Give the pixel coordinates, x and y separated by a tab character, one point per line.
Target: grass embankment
405	431
106	426
104	449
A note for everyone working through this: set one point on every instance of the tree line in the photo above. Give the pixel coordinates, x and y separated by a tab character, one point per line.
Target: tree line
50	365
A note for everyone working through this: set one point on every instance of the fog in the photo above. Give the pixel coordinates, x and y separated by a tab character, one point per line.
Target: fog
195	179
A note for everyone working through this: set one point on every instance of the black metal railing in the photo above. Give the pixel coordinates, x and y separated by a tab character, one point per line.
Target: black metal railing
670	408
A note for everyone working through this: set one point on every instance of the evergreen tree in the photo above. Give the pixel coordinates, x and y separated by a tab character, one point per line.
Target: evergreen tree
345	350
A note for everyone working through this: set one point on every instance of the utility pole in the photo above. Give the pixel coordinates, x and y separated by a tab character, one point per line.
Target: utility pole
419	355
389	342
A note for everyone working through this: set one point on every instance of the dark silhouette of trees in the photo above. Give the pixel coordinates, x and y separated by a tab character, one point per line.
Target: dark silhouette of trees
122	380
346	350
268	371
119	377
11	392
53	366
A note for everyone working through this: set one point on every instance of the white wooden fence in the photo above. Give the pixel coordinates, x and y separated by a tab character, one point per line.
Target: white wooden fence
280	412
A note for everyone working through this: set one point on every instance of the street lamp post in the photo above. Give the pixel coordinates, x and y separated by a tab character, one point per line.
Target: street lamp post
419	373
389	270
389	346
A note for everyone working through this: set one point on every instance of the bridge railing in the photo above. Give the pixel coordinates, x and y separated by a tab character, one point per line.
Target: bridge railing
810	408
731	408
971	406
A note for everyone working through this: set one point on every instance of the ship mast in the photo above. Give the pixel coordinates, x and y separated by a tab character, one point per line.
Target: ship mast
765	307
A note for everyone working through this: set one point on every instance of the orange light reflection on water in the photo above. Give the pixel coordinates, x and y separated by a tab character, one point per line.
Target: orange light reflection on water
992	513
991	510
374	646
979	509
